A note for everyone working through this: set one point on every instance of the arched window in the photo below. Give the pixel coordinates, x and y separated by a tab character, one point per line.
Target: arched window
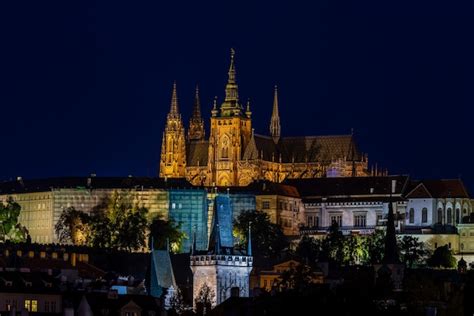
458	215
225	147
449	216
411	216
424	215
440	216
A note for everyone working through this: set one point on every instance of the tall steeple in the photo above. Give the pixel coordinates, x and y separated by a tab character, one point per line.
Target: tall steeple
173	147
174	110
231	104
196	124
275	120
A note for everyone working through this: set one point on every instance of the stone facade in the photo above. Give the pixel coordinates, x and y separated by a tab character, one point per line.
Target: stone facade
235	156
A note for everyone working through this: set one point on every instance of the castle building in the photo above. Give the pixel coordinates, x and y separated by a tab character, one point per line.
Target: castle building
234	155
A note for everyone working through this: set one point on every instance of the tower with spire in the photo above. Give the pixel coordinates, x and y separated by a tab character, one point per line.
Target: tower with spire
275	120
230	133
222	268
196	123
173	146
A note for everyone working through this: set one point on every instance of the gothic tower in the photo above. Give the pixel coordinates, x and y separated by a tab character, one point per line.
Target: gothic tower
173	146
230	133
222	269
196	123
275	120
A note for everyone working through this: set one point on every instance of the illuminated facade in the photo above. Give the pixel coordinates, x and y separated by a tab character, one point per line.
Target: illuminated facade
235	156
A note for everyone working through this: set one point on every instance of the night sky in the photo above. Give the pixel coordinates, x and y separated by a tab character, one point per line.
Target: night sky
85	86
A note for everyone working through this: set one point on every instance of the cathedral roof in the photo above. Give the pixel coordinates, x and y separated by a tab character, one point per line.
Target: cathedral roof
197	153
303	149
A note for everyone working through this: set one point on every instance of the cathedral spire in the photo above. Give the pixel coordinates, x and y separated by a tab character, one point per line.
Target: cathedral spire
196	123
174	110
275	120
231	102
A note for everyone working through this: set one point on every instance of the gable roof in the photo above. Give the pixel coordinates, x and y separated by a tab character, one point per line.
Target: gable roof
439	188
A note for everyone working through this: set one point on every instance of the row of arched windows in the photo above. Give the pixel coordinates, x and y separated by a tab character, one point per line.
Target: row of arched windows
424	215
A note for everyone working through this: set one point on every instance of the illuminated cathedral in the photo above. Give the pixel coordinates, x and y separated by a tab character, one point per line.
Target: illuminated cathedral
234	155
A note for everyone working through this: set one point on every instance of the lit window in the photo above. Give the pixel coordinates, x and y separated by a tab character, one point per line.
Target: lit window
173	205
28	305
34	305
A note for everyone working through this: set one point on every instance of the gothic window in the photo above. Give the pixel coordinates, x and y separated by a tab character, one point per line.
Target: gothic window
411	216
458	215
440	216
449	216
424	215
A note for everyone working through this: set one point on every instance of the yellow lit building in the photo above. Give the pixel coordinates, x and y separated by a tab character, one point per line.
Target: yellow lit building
234	155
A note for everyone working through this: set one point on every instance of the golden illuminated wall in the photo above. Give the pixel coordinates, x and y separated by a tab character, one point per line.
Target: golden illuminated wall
229	136
288	212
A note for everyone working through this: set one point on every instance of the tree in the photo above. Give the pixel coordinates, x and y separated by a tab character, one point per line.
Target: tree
308	250
442	257
166	231
174	301
72	227
353	248
333	244
119	223
299	278
205	299
412	250
268	240
374	246
10	229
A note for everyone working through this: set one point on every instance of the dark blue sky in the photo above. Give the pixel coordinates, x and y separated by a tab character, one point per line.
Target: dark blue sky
85	86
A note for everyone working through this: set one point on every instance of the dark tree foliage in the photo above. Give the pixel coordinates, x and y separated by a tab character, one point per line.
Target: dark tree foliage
374	246
162	232
72	226
333	244
204	300
442	257
309	251
412	250
268	239
299	278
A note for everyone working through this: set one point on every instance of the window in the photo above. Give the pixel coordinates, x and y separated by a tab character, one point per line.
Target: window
46	306
310	221
424	215
360	220
173	205
337	219
316	221
53	307
449	216
458	215
411	216
265	205
440	216
379	219
31	305
7	305
265	283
